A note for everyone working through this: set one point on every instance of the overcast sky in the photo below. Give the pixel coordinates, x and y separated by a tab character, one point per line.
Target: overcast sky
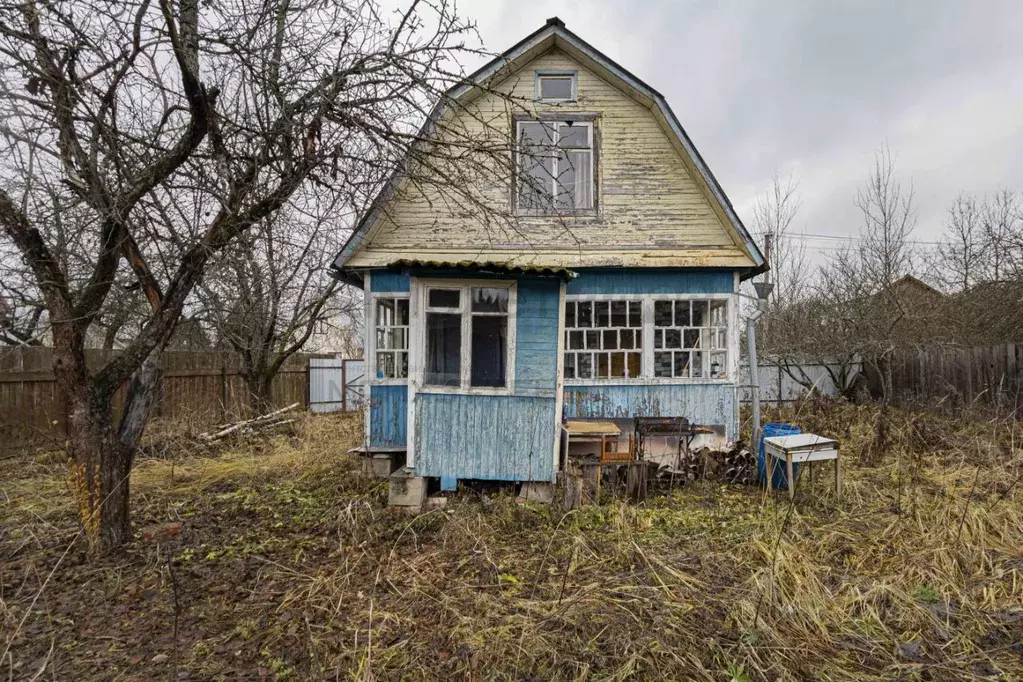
813	88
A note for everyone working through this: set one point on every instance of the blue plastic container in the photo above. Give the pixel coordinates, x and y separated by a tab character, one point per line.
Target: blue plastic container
780	478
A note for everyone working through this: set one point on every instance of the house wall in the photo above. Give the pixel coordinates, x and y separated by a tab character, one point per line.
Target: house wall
511	437
507	438
705	403
387	423
501	437
650	209
388	416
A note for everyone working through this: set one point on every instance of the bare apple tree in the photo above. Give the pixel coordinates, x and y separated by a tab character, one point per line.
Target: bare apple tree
273	288
169	130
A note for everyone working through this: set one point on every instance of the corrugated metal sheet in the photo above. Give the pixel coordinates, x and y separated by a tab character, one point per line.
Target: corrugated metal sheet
388	416
777	385
325	389
705	404
475	267
651	281
505	438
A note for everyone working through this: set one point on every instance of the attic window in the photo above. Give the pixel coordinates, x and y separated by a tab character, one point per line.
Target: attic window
555	173
555	86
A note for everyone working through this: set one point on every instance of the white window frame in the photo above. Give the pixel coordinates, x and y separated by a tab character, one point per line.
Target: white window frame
371	338
646	376
417	358
554	210
577	352
538	78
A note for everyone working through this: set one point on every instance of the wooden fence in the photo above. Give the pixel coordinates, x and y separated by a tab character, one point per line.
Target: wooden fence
201	388
986	375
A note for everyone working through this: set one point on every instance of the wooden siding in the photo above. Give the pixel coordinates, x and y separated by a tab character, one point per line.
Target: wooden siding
705	404
536	339
384	282
651	210
388	416
504	438
651	281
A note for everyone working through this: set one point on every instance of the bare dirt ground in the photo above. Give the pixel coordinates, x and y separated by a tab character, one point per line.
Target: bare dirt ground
290	566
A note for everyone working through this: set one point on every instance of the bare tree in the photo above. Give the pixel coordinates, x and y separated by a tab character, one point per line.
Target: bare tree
773	214
273	288
859	308
1002	224
884	252
168	132
963	252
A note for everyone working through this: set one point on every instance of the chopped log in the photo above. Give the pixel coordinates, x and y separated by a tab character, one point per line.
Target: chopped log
256	423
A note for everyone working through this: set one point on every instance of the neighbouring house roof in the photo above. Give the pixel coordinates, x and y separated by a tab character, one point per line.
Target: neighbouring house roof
555	34
910	283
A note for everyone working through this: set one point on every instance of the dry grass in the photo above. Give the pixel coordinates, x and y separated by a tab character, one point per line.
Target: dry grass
291	567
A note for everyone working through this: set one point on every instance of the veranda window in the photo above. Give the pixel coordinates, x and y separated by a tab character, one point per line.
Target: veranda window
646	338
392	332
555	166
691	338
603	339
467	336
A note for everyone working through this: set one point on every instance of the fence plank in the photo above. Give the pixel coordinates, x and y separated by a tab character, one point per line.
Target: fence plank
202	388
987	375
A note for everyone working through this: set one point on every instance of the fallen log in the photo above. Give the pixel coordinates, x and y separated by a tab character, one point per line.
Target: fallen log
256	423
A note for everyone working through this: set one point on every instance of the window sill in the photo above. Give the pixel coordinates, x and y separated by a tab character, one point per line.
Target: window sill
458	390
581	213
648	381
386	382
541	100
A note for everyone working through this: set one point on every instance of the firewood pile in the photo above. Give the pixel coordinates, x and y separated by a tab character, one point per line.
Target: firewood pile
266	422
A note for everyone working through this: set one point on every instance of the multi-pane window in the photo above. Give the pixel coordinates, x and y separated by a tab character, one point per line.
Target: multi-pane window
555	166
603	339
646	337
392	334
467	322
691	338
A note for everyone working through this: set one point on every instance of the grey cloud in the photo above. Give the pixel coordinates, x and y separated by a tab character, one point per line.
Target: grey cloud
814	87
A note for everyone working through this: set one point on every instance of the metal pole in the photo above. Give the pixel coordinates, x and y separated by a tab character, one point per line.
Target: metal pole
754	378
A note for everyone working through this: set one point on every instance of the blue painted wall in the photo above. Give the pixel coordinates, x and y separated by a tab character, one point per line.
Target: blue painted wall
388	404
505	438
388	416
651	281
508	438
705	404
536	337
390	282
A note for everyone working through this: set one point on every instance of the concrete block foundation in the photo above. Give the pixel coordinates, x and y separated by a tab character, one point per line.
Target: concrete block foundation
406	490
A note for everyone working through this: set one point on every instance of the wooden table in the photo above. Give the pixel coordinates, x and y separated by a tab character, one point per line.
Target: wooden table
590	432
803	448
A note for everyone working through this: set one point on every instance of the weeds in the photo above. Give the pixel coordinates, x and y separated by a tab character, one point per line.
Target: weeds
290	567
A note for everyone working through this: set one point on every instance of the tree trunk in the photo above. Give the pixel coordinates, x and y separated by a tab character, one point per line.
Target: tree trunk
100	465
101	457
260	393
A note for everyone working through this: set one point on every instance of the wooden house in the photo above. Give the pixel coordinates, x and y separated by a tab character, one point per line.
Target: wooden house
478	348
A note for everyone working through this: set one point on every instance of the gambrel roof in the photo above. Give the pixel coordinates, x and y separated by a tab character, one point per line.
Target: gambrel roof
555	36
